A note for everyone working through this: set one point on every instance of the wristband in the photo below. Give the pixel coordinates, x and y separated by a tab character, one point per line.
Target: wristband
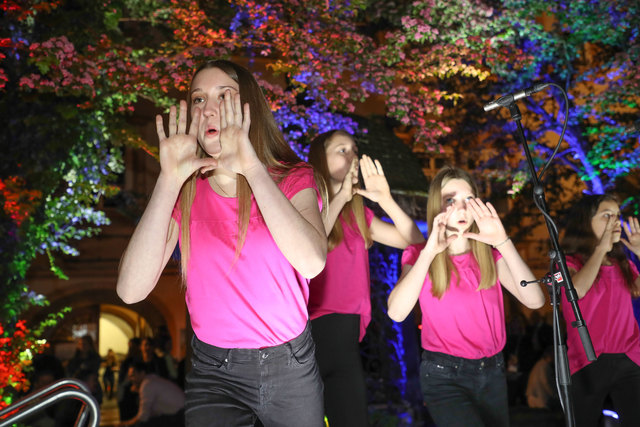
502	243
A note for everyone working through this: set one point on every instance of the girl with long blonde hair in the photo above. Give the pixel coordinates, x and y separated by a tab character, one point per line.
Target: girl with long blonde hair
458	276
245	211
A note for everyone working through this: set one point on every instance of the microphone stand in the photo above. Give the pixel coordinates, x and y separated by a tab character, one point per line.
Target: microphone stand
559	277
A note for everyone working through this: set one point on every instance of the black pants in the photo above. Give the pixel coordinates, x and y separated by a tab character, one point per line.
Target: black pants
463	392
280	385
338	355
613	375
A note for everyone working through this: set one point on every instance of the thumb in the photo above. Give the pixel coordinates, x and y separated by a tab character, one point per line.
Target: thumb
363	193
625	242
470	235
206	164
474	236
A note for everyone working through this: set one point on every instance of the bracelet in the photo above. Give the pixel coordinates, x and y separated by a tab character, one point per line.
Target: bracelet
502	243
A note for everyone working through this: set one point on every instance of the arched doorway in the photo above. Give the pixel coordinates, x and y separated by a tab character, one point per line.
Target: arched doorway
101	314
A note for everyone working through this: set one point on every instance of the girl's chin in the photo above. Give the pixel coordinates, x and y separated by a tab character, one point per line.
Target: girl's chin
212	149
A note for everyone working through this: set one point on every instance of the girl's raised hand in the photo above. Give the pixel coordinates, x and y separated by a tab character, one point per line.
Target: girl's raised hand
349	180
438	240
178	156
607	239
491	230
376	187
238	155
632	230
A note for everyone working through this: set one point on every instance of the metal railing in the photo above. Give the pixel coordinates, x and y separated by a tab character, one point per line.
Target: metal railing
50	395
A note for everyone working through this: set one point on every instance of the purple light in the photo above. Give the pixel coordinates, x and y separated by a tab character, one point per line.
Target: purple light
610	413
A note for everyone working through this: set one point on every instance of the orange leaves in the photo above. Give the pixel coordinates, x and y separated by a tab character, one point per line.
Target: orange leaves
19	202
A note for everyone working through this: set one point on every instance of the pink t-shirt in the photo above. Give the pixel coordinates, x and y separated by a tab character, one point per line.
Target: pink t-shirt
344	285
257	300
608	313
465	322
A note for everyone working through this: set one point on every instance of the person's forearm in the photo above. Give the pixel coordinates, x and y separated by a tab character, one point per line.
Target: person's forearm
145	256
406	292
531	295
333	211
584	279
403	222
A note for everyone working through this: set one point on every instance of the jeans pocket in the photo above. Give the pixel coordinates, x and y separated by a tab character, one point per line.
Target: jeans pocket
304	353
439	370
200	359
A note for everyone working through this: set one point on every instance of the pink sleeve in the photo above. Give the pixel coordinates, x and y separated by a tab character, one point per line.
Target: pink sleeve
573	262
496	255
411	253
634	270
368	216
176	214
299	178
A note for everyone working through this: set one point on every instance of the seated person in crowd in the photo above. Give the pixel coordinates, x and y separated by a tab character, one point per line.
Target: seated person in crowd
161	400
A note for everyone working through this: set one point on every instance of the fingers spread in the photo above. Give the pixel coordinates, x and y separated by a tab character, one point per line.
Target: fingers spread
492	210
182	118
366	166
172	120
246	120
472	206
237	107
223	118
195	122
228	107
379	167
160	128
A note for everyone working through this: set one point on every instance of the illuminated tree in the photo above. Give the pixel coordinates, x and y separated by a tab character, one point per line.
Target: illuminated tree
592	50
72	72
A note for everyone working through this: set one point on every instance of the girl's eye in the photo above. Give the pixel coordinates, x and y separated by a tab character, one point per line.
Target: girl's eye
448	201
197	100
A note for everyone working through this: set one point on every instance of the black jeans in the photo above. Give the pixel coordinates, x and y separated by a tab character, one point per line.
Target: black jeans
613	375
338	354
232	387
463	392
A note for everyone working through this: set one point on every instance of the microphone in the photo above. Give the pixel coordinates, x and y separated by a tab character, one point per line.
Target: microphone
512	97
634	128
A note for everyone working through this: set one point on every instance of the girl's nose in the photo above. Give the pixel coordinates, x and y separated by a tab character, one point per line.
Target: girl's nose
210	108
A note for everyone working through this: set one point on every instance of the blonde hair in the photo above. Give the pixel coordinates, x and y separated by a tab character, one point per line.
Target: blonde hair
355	207
266	139
442	268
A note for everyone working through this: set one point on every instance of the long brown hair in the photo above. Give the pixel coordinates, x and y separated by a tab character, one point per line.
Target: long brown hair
579	239
441	267
318	159
266	139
